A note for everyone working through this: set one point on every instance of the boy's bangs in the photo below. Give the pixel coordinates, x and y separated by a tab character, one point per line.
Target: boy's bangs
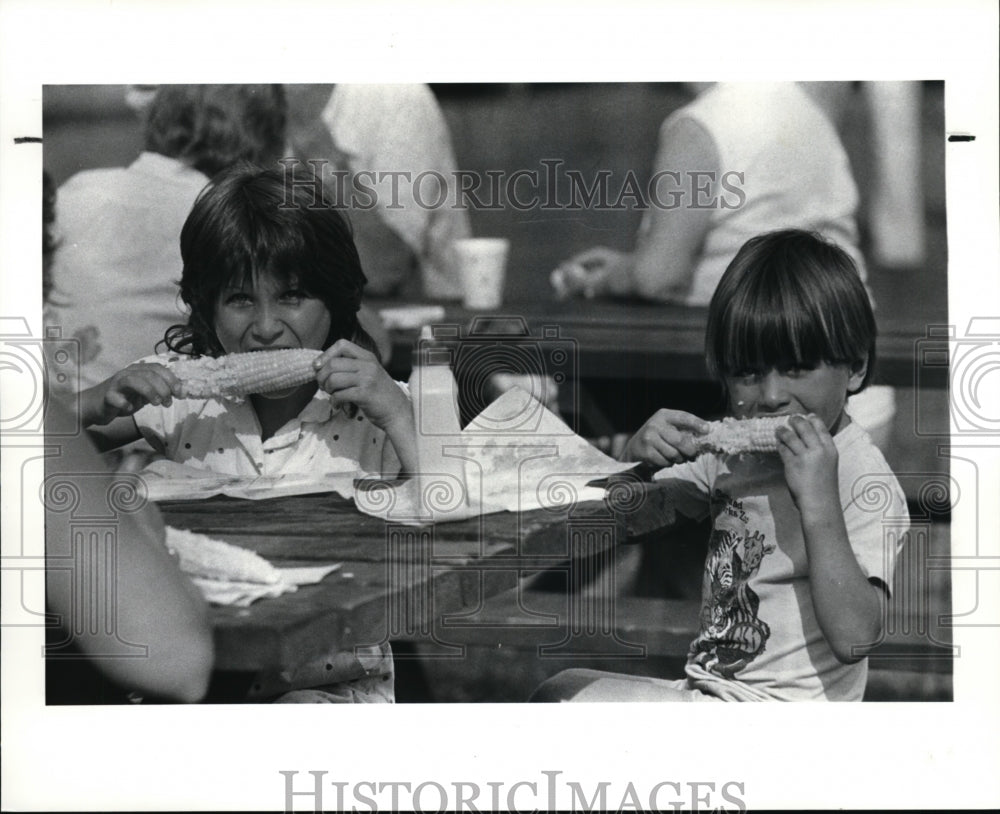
754	342
778	329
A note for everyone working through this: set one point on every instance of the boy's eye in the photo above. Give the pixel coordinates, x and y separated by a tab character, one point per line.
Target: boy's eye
796	370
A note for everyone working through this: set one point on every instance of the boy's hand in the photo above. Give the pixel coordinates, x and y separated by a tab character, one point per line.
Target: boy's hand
126	392
352	375
667	438
810	458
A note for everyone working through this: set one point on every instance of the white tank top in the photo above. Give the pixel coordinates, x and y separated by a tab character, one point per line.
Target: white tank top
795	172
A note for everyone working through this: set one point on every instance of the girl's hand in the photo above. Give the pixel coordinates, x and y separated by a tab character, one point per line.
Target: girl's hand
810	458
127	391
352	375
667	438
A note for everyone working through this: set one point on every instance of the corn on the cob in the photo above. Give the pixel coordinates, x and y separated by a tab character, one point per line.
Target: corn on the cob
240	374
732	436
201	556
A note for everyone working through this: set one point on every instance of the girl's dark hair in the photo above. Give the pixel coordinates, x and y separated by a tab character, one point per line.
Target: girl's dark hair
212	127
250	223
789	299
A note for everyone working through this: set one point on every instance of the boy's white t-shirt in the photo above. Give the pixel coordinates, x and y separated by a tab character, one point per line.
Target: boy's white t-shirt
224	436
759	637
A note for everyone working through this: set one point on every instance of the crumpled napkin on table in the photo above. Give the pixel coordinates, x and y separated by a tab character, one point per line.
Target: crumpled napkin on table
516	455
231	575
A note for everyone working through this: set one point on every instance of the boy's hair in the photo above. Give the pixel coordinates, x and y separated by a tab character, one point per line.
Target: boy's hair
789	299
212	127
251	222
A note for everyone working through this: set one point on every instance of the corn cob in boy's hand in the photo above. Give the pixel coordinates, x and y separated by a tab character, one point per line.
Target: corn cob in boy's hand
732	436
240	374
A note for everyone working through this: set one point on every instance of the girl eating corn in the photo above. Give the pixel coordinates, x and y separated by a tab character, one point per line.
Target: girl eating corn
287	379
270	270
803	542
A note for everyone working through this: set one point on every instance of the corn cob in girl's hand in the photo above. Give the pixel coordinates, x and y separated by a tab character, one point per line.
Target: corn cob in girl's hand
732	436
240	374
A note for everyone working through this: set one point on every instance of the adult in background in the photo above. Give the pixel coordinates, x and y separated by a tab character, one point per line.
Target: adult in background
739	160
375	136
118	263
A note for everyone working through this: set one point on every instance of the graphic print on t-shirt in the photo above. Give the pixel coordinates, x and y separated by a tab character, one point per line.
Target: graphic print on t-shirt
731	634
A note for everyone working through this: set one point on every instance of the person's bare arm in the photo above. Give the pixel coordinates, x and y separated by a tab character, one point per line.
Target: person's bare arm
156	605
106	409
848	606
685	191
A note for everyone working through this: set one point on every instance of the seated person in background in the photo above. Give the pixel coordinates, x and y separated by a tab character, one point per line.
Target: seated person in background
116	271
767	156
154	604
362	130
799	563
260	275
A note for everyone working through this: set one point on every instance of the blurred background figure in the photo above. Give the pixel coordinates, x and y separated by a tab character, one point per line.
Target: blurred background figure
133	590
115	274
362	131
737	161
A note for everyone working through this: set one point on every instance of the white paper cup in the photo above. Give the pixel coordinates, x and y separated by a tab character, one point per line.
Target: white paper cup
482	266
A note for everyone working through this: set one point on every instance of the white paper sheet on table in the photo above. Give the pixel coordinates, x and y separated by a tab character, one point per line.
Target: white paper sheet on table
166	480
516	455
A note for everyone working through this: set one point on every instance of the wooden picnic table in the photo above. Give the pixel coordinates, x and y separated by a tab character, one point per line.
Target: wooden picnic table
395	581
